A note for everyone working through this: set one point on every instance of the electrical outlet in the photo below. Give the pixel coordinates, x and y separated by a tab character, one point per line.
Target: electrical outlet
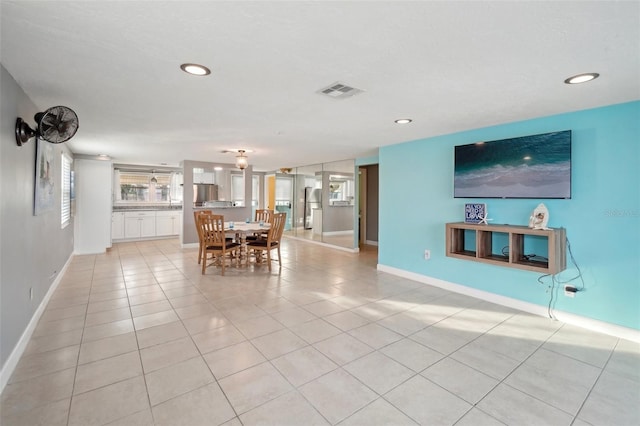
570	291
427	254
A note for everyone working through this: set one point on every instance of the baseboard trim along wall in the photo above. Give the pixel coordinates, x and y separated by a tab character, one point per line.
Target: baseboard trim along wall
566	317
12	361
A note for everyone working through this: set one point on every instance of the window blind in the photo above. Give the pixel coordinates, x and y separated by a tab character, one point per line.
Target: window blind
65	204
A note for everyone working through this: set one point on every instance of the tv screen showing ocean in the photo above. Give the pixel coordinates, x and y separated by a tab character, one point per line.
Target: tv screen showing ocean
537	166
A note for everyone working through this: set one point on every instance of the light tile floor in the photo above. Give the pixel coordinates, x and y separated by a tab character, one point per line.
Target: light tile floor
139	337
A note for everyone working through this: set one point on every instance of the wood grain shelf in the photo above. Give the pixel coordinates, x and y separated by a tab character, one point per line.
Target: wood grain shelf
477	242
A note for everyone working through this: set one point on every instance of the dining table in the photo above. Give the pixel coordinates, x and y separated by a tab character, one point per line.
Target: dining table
241	230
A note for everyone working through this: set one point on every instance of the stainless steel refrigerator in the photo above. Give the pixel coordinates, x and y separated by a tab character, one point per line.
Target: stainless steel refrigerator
203	192
312	200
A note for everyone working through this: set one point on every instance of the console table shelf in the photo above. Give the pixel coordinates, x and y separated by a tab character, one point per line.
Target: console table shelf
476	242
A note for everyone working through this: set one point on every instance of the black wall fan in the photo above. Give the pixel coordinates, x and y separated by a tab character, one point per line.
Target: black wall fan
57	124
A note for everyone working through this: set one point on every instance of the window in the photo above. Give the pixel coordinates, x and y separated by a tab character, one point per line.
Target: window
138	187
237	189
65	203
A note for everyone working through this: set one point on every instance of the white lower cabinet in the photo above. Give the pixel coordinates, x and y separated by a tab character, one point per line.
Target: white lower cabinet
117	225
145	224
168	223
139	224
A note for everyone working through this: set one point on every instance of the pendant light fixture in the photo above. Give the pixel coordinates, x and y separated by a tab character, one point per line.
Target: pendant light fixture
241	160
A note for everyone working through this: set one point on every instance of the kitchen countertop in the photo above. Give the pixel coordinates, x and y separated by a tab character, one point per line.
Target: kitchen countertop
146	208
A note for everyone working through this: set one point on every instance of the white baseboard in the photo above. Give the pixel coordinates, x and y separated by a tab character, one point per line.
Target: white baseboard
336	233
189	245
11	363
371	243
566	317
320	243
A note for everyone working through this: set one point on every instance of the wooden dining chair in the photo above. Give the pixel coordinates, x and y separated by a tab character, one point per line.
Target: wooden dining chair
274	236
197	213
215	241
264	215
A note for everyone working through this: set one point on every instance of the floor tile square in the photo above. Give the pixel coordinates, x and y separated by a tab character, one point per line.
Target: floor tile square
232	359
21	397
315	330
253	387
337	395
323	308
203	406
379	372
109	403
104	317
50	414
141	418
150	308
160	334
343	348
501	401
256	327
427	403
44	363
379	412
52	342
613	397
412	354
201	323
375	335
279	343
555	379
109	329
97	374
217	338
152	320
346	320
166	354
177	379
459	379
290	409
293	317
303	365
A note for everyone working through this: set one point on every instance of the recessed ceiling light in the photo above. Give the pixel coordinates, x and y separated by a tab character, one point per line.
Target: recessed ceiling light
403	121
195	69
582	78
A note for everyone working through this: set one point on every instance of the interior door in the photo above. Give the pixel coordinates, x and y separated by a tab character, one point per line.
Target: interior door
271	192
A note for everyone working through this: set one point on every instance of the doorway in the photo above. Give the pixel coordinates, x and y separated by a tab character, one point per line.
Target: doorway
368	206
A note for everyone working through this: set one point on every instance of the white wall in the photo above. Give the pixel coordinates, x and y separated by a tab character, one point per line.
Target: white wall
93	180
33	249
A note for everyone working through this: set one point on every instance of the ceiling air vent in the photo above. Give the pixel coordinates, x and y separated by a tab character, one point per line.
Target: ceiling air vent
339	91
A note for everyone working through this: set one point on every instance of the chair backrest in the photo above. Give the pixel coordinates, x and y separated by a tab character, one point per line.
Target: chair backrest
197	213
277	227
264	215
211	227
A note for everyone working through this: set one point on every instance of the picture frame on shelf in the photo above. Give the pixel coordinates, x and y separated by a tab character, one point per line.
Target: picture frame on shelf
475	213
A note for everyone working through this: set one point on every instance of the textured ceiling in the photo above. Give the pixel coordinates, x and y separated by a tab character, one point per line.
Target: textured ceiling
450	66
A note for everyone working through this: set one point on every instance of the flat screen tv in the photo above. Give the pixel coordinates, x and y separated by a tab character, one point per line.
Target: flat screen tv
537	166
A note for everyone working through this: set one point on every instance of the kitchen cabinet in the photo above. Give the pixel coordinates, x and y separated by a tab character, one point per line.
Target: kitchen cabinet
117	225
168	223
204	177
140	224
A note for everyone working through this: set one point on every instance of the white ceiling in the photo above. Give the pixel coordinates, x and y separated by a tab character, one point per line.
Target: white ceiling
450	66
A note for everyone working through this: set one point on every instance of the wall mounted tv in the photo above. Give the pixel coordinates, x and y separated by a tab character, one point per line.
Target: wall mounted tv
537	166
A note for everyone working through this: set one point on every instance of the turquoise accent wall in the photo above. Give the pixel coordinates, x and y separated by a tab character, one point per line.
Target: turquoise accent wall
602	218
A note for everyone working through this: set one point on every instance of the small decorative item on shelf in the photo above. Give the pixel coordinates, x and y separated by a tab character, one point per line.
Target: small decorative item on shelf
475	213
539	218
